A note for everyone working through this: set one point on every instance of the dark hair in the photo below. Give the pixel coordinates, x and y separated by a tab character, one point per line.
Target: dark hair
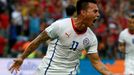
70	10
82	5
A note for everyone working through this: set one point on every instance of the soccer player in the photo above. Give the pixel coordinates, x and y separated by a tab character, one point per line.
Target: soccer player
126	45
68	37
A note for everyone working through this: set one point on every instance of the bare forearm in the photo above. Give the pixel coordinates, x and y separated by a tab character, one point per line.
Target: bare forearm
99	66
34	44
29	50
102	69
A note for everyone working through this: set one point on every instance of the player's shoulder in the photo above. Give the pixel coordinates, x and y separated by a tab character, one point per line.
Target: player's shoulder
91	33
63	20
125	31
60	23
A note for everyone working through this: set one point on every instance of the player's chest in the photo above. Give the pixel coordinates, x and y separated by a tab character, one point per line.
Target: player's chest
129	40
74	41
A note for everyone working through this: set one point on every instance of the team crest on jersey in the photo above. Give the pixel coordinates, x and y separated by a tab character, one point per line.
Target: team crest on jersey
85	41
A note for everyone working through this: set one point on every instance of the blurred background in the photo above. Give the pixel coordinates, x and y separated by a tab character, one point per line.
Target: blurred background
22	20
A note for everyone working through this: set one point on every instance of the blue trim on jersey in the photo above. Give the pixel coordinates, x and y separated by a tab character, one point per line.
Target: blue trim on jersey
74	69
51	58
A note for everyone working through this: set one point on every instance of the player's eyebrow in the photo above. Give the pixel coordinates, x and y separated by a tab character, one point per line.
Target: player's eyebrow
132	16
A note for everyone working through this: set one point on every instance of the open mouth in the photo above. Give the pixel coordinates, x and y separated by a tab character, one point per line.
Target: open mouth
94	20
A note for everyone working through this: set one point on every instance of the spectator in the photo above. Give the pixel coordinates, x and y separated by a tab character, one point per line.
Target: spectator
17	19
4	23
34	24
17	48
12	37
3	42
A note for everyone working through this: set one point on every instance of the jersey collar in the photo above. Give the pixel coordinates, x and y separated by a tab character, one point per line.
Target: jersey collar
76	29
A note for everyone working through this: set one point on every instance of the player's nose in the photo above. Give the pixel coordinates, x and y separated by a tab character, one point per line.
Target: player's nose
98	14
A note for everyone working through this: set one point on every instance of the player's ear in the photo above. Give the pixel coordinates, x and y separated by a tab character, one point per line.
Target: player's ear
82	12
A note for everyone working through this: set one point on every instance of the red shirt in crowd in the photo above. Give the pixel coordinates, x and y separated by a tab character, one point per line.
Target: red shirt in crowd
3	42
4	21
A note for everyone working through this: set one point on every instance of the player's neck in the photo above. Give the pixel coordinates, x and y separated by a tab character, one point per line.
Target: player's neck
81	20
131	32
79	26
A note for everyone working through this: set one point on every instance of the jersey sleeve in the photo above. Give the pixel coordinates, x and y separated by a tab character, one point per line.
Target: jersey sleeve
121	37
53	30
93	47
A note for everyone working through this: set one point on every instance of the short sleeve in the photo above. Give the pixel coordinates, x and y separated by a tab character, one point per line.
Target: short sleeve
121	37
93	46
53	30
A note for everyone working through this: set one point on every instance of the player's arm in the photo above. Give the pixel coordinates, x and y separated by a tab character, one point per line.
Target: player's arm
99	66
121	42
35	43
50	32
121	47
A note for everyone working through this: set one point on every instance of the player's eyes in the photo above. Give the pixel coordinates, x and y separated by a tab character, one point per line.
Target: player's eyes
95	11
131	22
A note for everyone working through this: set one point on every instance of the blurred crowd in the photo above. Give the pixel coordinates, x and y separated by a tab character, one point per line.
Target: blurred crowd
22	20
